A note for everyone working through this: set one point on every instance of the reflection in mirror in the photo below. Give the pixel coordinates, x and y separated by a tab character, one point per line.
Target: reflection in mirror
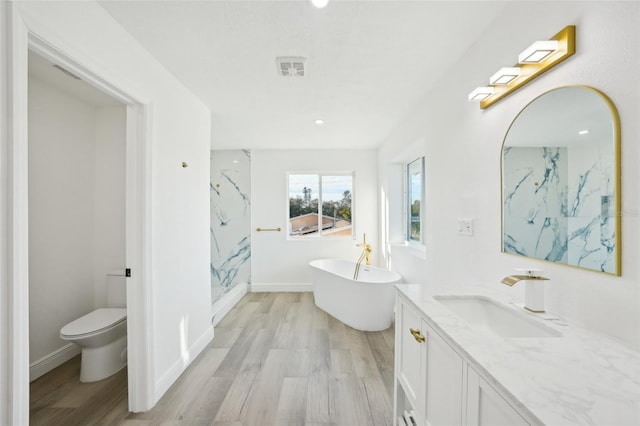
560	180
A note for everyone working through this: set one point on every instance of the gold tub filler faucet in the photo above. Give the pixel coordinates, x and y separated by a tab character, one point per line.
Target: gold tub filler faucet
366	256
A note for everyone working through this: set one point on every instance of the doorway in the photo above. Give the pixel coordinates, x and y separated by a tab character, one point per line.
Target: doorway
137	223
76	197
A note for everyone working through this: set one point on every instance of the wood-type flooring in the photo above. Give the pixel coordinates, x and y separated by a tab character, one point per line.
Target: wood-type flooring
276	359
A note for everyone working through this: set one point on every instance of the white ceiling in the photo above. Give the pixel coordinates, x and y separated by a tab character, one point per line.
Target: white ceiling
368	62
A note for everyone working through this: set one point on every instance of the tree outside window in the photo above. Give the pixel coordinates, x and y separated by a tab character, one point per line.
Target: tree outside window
320	205
415	191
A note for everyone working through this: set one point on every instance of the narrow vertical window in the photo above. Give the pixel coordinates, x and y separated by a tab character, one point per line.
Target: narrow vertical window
320	205
415	192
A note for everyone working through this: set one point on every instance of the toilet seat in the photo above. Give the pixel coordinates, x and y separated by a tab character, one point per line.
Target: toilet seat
94	322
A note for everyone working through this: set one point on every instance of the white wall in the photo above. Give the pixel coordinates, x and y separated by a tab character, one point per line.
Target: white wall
276	260
4	232
179	241
109	206
61	210
463	145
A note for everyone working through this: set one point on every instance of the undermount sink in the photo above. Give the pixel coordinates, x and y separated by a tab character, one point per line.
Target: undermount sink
485	314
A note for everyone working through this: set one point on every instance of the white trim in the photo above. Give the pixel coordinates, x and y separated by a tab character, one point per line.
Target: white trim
285	287
178	367
53	360
24	33
18	223
5	386
222	307
140	357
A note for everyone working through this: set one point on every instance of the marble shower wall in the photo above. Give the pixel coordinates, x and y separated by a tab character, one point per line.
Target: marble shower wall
558	205
592	238
535	202
230	189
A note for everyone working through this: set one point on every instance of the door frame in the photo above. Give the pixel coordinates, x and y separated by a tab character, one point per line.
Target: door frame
24	34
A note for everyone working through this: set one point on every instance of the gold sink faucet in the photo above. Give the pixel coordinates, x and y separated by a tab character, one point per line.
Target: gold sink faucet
534	290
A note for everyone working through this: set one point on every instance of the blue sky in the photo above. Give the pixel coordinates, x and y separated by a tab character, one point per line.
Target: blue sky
333	187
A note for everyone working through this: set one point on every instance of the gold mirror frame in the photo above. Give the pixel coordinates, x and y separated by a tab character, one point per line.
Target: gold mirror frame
616	205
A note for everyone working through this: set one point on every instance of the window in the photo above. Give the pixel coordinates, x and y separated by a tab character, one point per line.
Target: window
415	192
320	205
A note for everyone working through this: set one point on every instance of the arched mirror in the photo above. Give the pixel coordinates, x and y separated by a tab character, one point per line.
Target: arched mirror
561	180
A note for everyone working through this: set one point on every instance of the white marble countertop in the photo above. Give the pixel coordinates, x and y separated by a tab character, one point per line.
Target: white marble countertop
581	378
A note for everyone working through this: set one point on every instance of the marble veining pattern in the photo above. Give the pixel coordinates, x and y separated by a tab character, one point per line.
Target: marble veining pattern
582	377
230	220
549	216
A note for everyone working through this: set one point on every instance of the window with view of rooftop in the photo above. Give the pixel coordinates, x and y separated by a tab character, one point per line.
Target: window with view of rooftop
320	205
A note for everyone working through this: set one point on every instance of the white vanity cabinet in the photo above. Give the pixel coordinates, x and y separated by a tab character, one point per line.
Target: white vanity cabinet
485	406
409	356
428	371
436	383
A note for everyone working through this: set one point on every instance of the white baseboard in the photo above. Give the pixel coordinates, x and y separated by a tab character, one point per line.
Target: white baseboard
222	307
53	360
285	287
171	375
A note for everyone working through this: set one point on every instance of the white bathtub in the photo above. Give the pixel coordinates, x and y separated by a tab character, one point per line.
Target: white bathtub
366	304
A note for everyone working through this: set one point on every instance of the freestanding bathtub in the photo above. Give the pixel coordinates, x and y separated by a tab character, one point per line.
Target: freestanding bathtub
366	304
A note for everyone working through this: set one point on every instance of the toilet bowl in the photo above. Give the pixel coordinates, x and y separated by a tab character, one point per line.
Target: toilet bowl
102	336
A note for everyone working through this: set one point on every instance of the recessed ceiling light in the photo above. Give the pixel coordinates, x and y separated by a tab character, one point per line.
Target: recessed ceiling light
319	121
583	132
319	3
235	161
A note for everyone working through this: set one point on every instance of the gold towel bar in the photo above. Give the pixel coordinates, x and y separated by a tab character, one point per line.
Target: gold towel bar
268	229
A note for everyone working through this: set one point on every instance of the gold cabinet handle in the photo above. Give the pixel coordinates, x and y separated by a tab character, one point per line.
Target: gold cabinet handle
417	335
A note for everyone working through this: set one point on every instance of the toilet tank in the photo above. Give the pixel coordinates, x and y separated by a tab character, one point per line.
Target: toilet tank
116	289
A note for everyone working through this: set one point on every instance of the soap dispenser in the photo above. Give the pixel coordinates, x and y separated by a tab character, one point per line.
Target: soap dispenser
534	287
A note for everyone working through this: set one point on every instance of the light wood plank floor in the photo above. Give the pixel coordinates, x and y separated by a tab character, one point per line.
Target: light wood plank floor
275	359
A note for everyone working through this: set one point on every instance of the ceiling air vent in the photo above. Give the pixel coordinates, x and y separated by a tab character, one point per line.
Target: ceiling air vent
289	66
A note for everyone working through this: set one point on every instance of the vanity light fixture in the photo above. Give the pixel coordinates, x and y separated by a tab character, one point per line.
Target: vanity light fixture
504	75
538	58
481	93
536	53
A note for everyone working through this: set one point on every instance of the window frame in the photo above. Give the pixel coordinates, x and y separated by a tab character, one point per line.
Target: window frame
408	199
321	235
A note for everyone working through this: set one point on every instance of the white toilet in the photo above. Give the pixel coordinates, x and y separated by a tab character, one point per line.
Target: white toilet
102	335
